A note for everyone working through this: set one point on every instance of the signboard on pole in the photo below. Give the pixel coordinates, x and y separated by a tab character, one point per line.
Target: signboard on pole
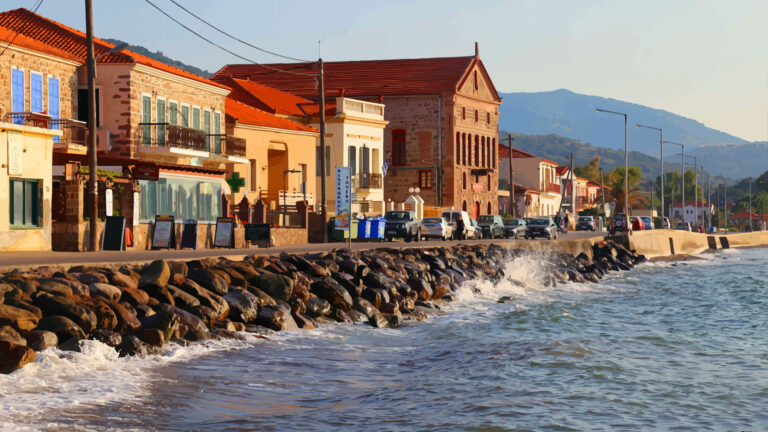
343	202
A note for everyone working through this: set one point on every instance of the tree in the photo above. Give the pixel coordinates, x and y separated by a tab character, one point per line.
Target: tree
590	170
616	182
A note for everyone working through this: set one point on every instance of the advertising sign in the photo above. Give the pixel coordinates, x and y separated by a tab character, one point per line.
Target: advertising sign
343	186
225	231
164	235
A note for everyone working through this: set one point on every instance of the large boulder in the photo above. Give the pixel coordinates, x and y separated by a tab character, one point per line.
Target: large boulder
214	302
13	357
276	318
166	322
59	287
122	280
133	296
20	319
132	345
8	334
104	290
126	319
105	316
57	305
263	298
317	307
90	278
64	328
182	298
422	287
377	280
107	337
191	327
333	293
209	280
375	318
155	273
39	340
243	306
159	293
276	286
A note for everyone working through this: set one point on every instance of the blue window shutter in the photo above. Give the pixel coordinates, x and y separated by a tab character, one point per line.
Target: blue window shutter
17	90
53	101
36	93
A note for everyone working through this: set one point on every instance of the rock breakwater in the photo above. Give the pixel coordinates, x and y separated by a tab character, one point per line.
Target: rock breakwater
136	309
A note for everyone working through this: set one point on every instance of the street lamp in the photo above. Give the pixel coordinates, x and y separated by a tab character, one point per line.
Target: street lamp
626	160
661	145
682	176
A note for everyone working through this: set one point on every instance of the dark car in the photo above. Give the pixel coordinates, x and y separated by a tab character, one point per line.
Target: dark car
619	223
541	227
402	224
585	223
514	228
492	226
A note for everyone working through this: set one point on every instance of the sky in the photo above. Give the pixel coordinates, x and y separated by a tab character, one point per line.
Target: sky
702	59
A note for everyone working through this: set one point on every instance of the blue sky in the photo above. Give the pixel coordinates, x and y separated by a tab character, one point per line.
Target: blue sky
701	59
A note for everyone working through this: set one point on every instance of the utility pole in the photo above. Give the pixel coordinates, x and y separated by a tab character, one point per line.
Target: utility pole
750	204
725	205
323	211
513	204
573	191
93	191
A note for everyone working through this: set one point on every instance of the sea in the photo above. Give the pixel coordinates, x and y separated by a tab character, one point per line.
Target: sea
679	346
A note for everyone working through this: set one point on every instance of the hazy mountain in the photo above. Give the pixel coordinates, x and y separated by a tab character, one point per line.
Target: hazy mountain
573	115
159	56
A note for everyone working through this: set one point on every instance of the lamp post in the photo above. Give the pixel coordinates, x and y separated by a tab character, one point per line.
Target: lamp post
661	154
682	176
626	160
750	204
509	140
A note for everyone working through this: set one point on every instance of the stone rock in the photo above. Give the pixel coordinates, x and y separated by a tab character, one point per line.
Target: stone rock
166	322
8	334
14	357
134	296
104	290
178	268
90	278
21	319
264	299
181	298
390	308
56	288
143	310
153	337
235	278
317	307
39	340
440	289
132	345
377	280
276	318
126	319
226	325
64	328
26	285
340	316
348	282
209	280
122	280
107	337
105	316
303	321
57	305
356	316
376	296
243	306
195	328
333	293
216	303
422	287
159	293
277	286
297	306
155	273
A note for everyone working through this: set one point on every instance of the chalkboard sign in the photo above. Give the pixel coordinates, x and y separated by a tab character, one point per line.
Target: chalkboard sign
258	234
225	230
114	234
189	234
164	235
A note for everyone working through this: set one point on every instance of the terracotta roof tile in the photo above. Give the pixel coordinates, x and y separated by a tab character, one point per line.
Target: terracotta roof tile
50	37
264	97
360	78
249	115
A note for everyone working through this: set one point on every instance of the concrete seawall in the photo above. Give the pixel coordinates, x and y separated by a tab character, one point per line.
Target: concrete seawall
673	242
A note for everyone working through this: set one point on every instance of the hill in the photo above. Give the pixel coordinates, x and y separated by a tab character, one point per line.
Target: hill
159	56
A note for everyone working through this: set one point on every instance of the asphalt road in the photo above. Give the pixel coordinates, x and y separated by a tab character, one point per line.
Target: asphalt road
12	260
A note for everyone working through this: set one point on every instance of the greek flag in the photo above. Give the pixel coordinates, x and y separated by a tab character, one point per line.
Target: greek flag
384	168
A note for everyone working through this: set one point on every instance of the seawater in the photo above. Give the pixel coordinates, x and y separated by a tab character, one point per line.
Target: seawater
667	346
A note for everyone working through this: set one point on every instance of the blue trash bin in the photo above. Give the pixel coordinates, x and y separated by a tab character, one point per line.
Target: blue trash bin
364	228
377	228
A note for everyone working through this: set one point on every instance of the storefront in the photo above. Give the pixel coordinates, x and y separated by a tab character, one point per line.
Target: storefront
181	196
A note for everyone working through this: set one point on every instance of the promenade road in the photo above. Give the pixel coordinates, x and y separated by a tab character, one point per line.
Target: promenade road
12	260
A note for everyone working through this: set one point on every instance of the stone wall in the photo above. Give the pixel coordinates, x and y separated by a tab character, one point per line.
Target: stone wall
657	242
288	236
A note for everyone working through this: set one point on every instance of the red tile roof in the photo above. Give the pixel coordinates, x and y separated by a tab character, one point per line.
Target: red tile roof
361	78
561	170
249	115
50	37
265	98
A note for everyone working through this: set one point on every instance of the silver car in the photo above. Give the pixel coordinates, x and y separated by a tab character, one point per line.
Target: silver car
436	227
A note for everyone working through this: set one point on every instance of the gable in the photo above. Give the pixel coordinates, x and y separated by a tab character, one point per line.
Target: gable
477	83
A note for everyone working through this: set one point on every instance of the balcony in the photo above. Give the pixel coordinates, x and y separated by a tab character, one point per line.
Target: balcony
226	149
171	142
359	108
552	188
28	119
74	133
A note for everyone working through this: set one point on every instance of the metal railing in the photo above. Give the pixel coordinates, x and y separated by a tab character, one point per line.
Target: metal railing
234	146
369	181
28	119
74	131
168	135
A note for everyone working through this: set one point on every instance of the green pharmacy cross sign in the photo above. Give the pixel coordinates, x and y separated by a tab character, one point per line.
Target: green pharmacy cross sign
235	182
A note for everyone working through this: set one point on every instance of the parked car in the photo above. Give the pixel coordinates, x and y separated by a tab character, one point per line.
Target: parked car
436	227
541	227
514	228
665	223
647	222
473	230
619	223
492	226
585	223
401	224
453	215
685	226
637	223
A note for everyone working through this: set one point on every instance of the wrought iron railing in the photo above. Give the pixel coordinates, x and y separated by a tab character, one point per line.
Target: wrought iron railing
168	135
234	146
28	119
74	131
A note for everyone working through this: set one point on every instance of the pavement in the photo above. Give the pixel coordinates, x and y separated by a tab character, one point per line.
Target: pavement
21	260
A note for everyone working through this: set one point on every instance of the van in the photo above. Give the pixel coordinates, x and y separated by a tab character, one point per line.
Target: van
453	215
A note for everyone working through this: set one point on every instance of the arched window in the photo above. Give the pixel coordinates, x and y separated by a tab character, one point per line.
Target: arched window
477	115
457	144
489	208
463	113
482	152
488	151
464	181
493	147
464	205
477	151
464	149
398	147
489	181
488	117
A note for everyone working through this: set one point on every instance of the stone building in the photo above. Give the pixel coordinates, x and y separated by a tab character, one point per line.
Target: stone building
443	118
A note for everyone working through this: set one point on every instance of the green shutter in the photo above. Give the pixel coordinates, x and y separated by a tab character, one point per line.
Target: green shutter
146	118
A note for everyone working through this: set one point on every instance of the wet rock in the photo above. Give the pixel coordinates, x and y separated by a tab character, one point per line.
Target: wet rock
194	327
340	316
178	268
377	280
263	298
126	319
276	318
134	296
64	328
333	293
166	322
422	288
152	337
377	297
132	345
14	357
9	334
225	325
20	319
276	286
303	321
297	306
104	290
243	306
156	273
57	305
107	337
90	278
209	280
215	302
105	316
25	284
317	307
394	321
390	308
122	280
143	310
181	298
159	293
506	300
39	340
56	288
357	316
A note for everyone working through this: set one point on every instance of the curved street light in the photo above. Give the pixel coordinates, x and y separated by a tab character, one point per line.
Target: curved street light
626	159
661	144
682	176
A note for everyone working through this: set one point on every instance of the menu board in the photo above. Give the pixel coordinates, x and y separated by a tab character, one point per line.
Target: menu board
163	236
114	234
189	234
225	229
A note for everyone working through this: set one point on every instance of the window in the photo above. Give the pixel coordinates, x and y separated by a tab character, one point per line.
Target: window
463	113
464	181
457	144
36	92
196	118
365	160
482	151
477	115
464	149
425	179
25	203
490	210
352	160
477	150
493	148
53	100
488	117
489	182
182	197
185	115
82	105
488	152
173	112
207	128
476	83
160	104
17	93
146	118
398	147
254	172
217	132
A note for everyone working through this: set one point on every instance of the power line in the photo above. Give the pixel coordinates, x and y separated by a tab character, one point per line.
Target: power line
234	37
39	3
225	49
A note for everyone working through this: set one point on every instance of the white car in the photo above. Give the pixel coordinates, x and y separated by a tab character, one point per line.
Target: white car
436	227
453	215
472	230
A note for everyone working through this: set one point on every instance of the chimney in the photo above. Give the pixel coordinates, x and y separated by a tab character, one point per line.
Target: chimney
341	92
477	50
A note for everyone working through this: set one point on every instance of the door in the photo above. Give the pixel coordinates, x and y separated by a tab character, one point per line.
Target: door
476	209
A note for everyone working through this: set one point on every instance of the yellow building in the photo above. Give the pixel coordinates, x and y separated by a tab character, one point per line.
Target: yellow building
26	153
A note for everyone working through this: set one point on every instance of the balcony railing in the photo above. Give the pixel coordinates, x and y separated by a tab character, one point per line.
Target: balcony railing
234	146
168	135
28	119
368	181
74	131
